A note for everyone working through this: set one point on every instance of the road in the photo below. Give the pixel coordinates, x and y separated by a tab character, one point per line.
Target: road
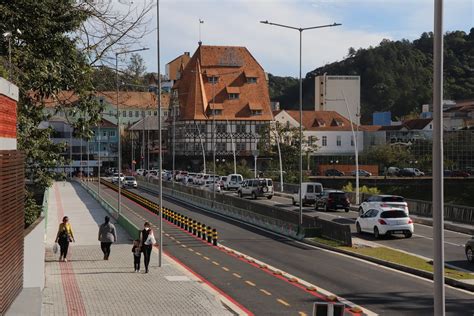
421	243
381	290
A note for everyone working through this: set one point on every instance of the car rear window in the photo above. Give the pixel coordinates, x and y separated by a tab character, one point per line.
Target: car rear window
129	178
393	214
393	199
337	196
270	183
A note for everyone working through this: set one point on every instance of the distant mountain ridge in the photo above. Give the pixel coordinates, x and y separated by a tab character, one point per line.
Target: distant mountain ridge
396	76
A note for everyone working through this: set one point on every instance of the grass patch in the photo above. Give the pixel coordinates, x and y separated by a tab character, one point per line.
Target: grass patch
327	242
406	260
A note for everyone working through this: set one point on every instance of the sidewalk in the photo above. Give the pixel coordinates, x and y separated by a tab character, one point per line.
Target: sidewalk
88	285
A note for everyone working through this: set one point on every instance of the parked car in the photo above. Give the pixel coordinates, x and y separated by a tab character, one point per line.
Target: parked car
152	174
459	173
385	222
392	171
256	188
383	202
130	182
181	175
115	178
362	173
197	178
233	181
469	248
222	181
211	185
333	173
410	172
140	172
310	191
332	200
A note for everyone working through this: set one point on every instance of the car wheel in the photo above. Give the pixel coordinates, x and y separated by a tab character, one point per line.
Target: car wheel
293	201
269	197
376	233
407	234
469	255
359	230
254	196
347	210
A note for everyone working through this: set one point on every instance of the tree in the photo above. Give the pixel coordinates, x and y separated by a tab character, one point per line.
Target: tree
136	69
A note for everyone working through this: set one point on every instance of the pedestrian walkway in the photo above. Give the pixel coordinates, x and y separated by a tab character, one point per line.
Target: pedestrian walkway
89	285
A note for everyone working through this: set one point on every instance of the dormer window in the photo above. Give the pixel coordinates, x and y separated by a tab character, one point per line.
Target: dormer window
319	123
256	112
212	76
251	76
255	108
336	122
213	79
215	109
233	92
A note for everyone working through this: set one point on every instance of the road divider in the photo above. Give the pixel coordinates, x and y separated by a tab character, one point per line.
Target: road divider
173	217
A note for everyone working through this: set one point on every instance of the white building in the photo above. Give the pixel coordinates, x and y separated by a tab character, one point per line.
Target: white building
330	92
329	130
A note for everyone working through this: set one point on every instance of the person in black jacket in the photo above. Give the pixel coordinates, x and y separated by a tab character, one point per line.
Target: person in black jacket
145	245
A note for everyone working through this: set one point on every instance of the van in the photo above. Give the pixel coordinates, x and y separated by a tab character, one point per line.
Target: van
309	193
233	181
256	188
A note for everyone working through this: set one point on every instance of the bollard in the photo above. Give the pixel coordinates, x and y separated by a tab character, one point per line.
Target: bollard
203	228
214	237
194	230
190	225
198	229
181	225
175	220
186	222
209	234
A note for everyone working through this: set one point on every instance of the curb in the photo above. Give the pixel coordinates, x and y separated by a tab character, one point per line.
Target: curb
417	272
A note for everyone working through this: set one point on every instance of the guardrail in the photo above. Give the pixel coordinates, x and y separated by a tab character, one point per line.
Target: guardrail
275	219
187	223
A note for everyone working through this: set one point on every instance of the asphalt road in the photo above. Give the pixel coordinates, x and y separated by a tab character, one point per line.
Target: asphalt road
381	290
421	243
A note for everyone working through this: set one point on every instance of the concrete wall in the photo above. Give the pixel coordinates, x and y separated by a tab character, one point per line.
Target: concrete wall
34	255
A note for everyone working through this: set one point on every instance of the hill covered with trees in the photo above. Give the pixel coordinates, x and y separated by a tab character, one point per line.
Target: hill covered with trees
396	76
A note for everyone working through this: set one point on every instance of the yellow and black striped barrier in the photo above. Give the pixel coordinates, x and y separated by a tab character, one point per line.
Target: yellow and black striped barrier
196	228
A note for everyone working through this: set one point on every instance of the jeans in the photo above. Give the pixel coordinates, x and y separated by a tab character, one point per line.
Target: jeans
105	246
136	261
146	255
64	245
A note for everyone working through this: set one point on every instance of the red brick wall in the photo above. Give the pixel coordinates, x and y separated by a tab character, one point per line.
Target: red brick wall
7	117
12	182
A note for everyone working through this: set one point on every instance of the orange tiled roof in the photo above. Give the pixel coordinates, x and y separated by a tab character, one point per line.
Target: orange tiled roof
127	99
322	120
229	64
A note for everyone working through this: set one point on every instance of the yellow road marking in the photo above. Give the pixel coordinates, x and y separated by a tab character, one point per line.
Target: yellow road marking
198	253
266	292
207	258
282	302
250	283
225	269
216	263
236	275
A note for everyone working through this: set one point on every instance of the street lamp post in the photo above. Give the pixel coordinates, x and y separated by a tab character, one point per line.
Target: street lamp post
300	30
119	158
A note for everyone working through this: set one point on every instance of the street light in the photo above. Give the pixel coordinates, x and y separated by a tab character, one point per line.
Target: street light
119	159
300	30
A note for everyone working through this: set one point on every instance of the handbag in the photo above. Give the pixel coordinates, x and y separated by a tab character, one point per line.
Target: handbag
56	248
150	240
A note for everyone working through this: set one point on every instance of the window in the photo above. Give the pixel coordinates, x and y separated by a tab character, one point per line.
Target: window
104	134
256	112
130	113
221	128
213	79
149	112
221	147
233	96
155	113
240	146
137	113
215	112
110	112
240	128
352	141
252	80
325	140
112	133
338	141
311	140
124	113
143	113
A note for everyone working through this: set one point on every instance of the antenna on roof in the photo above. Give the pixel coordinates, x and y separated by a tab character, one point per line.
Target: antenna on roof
200	22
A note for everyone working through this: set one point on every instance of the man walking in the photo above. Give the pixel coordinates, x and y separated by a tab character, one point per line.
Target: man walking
107	236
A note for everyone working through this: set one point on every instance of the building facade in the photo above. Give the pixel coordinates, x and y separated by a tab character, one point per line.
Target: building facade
221	102
330	92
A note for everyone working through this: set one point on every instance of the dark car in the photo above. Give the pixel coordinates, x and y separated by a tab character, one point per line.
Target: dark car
332	200
459	173
333	173
469	248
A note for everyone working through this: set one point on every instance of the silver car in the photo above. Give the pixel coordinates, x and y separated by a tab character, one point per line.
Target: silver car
130	182
469	248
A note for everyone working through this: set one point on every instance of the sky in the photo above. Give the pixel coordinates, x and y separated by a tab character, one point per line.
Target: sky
236	23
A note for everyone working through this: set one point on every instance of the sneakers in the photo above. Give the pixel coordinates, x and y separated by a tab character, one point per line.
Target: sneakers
65	260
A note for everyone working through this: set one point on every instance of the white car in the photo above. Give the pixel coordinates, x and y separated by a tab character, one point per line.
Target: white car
233	181
115	177
385	222
152	174
382	202
130	182
309	193
140	172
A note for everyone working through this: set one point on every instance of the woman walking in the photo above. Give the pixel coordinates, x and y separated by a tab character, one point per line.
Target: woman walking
107	236
63	237
146	240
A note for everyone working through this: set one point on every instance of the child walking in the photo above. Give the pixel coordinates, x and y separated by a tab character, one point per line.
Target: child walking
137	254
